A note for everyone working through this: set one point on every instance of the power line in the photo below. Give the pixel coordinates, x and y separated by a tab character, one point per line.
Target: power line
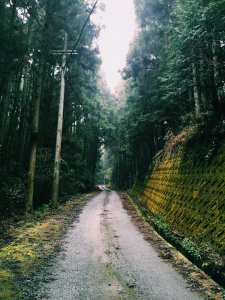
72	14
27	4
80	35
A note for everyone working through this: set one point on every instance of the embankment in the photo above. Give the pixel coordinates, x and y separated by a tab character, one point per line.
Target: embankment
185	189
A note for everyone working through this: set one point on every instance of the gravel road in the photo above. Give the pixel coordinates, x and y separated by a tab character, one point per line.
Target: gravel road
106	257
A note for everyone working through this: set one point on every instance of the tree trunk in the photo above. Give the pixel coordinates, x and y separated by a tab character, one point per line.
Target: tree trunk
55	185
34	138
25	99
217	76
6	74
211	81
196	93
37	101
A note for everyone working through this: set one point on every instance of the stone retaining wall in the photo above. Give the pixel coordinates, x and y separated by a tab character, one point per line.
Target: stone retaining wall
187	189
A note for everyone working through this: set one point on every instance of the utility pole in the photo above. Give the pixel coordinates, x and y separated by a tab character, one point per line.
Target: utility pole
55	185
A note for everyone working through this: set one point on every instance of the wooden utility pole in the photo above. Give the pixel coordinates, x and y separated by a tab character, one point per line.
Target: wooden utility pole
55	185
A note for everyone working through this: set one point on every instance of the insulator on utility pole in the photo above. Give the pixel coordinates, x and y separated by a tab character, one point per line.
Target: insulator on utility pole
61	52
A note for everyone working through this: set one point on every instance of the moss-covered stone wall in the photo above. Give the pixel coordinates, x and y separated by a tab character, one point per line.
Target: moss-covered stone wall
187	189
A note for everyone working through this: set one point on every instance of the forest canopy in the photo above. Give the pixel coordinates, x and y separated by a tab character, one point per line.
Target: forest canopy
32	38
173	78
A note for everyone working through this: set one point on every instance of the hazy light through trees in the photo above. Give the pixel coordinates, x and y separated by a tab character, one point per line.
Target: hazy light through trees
118	27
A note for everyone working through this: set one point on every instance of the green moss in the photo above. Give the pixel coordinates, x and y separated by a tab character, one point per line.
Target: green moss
188	192
6	284
34	241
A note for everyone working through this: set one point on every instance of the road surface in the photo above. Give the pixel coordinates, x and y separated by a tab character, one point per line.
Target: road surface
106	257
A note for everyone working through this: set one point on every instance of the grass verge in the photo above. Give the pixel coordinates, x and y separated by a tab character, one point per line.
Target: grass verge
34	240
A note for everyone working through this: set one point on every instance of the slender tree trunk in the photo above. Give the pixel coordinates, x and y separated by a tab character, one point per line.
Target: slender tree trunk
25	99
55	185
34	139
23	112
211	81
202	78
190	97
11	132
217	76
37	101
196	93
6	73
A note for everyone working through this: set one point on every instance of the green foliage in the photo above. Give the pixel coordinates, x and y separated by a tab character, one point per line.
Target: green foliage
186	245
43	208
191	249
162	227
173	77
24	29
12	192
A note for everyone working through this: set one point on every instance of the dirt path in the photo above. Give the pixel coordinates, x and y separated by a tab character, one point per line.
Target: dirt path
106	257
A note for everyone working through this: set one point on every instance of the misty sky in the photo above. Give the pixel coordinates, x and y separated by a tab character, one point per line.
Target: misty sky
118	20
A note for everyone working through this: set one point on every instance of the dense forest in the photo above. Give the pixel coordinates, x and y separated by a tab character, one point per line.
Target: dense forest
174	78
32	35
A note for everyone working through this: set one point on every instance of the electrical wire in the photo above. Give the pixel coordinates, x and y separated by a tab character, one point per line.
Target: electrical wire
81	32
